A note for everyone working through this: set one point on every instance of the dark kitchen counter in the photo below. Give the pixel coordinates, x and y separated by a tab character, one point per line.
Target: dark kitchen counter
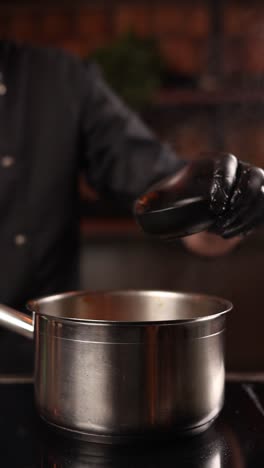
235	440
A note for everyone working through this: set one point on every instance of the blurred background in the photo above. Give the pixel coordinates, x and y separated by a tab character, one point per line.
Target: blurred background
194	70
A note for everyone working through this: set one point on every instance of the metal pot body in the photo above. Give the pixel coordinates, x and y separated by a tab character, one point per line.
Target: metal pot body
115	380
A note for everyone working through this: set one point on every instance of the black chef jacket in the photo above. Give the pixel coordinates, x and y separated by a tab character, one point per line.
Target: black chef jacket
59	117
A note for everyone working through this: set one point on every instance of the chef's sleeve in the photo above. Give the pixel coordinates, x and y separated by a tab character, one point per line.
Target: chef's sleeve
121	156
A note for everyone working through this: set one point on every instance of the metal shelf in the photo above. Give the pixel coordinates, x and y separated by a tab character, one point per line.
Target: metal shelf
182	97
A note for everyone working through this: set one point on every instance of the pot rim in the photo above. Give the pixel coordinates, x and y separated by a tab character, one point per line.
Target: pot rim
34	305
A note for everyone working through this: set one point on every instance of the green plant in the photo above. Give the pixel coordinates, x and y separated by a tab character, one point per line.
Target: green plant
132	67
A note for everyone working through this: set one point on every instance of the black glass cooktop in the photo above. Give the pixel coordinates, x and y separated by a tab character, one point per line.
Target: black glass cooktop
235	440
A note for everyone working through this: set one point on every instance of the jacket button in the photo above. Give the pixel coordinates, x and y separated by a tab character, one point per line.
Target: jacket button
7	161
20	239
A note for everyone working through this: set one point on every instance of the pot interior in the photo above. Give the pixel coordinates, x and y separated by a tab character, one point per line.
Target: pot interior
131	306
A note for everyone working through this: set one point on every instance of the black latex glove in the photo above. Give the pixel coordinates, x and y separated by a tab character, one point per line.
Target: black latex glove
237	196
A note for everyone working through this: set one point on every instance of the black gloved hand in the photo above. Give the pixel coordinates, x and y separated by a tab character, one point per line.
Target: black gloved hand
237	196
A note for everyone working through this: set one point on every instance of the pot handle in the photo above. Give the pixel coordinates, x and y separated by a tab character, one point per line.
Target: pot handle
16	321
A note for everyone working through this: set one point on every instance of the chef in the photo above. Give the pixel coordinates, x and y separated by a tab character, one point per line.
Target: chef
59	117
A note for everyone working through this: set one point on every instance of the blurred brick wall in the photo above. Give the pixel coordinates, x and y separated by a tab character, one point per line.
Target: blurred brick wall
192	132
183	29
184	33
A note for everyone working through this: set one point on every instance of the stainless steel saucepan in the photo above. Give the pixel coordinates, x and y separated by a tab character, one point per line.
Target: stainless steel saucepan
118	365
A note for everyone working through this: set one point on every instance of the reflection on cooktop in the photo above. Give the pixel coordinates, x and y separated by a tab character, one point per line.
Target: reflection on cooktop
235	440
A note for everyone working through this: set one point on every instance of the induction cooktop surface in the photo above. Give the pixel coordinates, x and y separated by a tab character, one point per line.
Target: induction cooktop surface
235	440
